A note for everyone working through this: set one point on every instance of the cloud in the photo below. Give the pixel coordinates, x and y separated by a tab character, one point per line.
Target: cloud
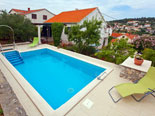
115	8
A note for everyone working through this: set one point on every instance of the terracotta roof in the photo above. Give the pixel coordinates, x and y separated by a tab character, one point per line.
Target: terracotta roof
114	40
130	36
116	34
23	12
70	16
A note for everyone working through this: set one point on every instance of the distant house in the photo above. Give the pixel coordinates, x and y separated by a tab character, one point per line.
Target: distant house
135	24
37	17
69	18
1	11
147	25
130	37
132	22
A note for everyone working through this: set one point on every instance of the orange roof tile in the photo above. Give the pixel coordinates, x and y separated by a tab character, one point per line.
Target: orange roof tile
114	40
116	34
17	10
23	12
130	36
70	16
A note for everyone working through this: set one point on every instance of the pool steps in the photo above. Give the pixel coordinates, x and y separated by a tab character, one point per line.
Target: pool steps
14	57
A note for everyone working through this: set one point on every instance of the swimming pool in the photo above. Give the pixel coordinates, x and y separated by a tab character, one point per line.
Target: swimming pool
55	76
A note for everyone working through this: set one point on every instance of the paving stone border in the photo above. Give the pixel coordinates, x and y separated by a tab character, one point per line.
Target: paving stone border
8	100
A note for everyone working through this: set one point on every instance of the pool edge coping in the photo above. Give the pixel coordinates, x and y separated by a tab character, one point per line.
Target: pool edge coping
62	110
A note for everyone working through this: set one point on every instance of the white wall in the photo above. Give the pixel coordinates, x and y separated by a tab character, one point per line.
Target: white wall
104	33
40	16
64	37
13	12
124	36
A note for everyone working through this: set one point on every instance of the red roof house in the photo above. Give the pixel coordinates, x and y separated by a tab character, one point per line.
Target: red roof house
77	16
38	16
123	35
126	35
74	16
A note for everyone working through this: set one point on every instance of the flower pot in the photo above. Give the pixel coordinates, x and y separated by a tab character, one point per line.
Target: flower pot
138	61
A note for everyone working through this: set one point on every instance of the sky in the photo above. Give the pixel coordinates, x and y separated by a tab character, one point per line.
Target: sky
118	9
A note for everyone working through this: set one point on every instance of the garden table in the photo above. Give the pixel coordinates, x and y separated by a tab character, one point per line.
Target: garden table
132	71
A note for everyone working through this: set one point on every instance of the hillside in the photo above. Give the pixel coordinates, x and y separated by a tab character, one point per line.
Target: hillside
134	25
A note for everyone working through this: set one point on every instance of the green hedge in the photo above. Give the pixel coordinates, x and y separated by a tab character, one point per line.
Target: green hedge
57	29
149	54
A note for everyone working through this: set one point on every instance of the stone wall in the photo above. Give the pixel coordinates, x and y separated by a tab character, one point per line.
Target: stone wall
8	100
131	74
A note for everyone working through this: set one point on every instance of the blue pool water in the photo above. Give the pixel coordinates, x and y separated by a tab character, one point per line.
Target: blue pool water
55	76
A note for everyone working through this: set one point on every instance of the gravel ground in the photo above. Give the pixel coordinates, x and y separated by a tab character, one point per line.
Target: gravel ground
8	100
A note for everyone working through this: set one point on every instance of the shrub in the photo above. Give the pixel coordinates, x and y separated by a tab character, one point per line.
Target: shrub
23	28
66	30
85	35
1	111
144	42
116	52
57	29
89	50
149	54
110	38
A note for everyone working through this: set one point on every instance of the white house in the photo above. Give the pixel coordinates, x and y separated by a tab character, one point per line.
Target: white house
77	16
147	25
37	17
1	11
128	36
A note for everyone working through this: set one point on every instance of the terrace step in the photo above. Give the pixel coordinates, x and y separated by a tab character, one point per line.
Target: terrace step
14	57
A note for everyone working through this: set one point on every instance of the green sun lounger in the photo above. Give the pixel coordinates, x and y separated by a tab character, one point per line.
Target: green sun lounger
145	86
35	42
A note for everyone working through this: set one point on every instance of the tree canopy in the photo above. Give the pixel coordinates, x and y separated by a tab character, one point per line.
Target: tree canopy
23	28
86	34
116	52
57	29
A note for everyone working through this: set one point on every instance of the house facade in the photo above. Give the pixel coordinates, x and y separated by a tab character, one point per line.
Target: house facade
117	36
1	12
70	18
37	17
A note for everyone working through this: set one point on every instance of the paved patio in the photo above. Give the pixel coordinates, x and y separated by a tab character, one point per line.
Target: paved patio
102	103
8	100
104	106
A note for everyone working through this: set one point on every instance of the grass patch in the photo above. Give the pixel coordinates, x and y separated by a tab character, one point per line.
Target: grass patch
1	111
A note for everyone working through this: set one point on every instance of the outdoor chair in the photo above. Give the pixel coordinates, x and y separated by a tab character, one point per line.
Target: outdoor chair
35	42
145	86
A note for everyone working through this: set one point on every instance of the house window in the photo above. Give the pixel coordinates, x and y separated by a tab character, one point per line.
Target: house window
69	28
44	17
34	16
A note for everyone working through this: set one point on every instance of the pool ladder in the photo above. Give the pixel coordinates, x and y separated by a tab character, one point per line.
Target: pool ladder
99	77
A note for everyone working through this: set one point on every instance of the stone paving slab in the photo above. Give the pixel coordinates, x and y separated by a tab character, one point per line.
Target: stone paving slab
8	100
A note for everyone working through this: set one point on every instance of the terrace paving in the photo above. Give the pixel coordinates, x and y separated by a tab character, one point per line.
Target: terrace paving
104	106
8	100
102	103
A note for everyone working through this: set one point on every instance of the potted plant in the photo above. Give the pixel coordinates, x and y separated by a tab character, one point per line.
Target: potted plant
138	59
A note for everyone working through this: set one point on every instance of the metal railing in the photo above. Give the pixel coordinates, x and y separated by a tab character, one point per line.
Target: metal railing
99	77
14	44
